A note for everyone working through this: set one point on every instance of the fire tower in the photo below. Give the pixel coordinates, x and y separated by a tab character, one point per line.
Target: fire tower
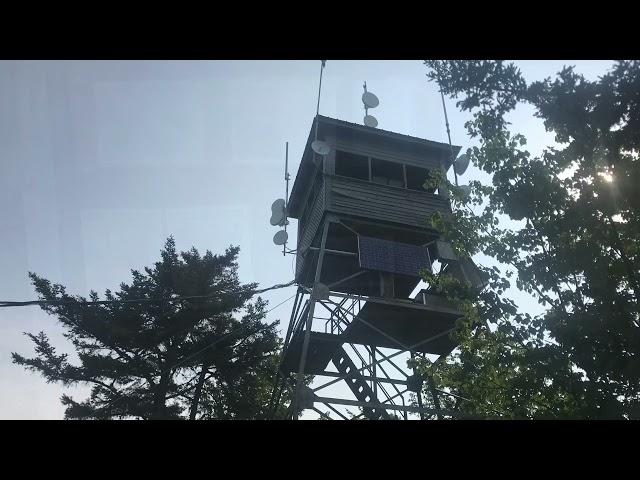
363	237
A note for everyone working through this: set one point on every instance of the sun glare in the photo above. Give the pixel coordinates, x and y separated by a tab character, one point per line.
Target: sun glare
607	177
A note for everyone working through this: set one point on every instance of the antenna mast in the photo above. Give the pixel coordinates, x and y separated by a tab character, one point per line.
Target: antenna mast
318	146
319	91
446	120
280	207
370	101
286	196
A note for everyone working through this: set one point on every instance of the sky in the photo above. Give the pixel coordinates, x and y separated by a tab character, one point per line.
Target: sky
100	161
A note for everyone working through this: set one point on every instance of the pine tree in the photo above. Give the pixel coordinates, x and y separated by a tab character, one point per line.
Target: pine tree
168	356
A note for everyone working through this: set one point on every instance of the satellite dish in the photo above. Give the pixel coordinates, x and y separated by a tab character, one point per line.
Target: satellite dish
466	191
370	121
279	221
461	163
278	213
280	238
320	147
321	291
370	100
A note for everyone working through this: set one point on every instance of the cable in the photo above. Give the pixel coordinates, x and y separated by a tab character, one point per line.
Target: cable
137	300
293	268
280	285
231	333
228	335
218	341
264	327
284	301
20	304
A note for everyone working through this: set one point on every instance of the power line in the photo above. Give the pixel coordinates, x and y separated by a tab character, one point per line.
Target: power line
137	300
264	327
227	335
281	303
43	302
279	285
215	342
231	333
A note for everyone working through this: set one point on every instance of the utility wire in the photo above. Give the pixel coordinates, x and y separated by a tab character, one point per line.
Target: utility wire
137	300
20	304
264	327
281	303
227	335
215	342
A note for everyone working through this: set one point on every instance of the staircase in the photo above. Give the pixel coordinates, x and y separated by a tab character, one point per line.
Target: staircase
358	386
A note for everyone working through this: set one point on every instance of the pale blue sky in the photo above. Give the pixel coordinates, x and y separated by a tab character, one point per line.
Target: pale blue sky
101	160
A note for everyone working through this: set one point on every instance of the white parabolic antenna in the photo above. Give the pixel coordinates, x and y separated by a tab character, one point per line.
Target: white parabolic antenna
370	100
277	212
320	147
277	219
280	238
370	121
461	164
321	291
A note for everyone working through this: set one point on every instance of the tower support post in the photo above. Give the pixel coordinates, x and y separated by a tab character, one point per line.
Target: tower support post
309	321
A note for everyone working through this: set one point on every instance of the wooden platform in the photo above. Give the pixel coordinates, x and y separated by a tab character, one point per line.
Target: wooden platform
409	324
322	346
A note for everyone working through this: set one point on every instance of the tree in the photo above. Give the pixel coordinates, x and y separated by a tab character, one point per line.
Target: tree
574	246
182	340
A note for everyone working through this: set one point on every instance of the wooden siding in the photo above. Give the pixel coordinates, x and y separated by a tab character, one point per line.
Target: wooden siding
368	201
310	226
381	202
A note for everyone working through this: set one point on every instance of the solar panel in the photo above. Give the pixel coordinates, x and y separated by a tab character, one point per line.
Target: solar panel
393	257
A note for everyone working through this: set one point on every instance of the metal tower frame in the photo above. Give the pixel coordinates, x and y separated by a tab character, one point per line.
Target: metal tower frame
378	393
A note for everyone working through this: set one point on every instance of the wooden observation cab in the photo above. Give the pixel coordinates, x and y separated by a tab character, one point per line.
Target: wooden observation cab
364	236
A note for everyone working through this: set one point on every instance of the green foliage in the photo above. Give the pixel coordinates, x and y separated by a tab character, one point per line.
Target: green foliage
206	358
576	250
